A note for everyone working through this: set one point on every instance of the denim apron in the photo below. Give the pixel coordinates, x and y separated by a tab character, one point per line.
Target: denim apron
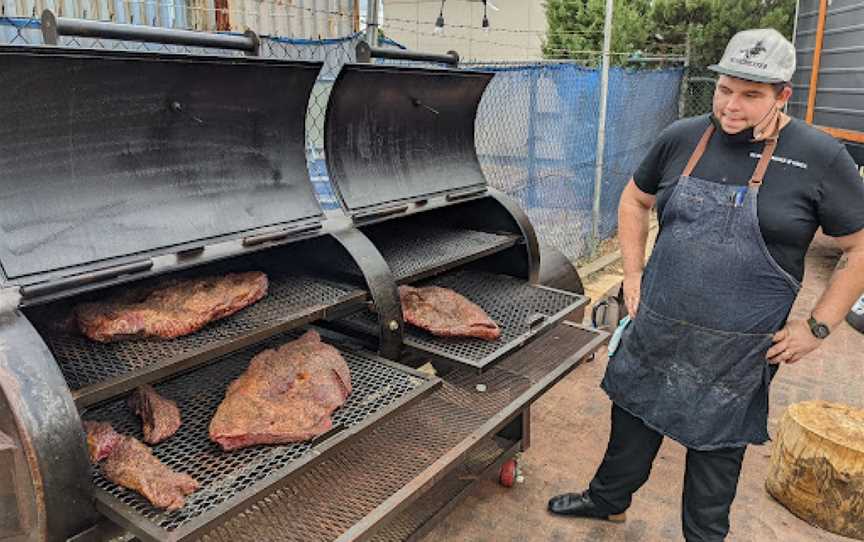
692	364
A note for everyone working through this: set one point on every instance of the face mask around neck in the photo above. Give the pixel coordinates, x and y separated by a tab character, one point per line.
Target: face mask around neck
744	136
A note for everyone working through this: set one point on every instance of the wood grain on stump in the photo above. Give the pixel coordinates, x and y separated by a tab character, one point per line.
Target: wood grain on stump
817	466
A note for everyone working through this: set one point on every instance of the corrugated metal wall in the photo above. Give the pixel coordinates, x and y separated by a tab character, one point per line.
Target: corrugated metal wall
840	90
310	19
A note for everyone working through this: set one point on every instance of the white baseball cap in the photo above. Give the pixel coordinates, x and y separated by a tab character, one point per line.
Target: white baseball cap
762	55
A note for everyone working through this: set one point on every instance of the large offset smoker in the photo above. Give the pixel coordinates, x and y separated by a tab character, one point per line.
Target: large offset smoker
123	170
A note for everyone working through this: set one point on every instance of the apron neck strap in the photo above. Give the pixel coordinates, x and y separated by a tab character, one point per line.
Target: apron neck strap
700	150
762	166
758	173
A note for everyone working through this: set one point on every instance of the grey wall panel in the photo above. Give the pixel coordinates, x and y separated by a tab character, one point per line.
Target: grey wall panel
839	98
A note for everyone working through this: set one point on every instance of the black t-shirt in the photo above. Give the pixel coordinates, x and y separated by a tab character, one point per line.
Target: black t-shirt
811	182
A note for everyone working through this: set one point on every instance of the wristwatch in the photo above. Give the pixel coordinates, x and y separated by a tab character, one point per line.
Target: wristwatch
817	328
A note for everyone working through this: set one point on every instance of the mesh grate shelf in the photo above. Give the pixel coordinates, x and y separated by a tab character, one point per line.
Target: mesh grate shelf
330	498
378	388
85	362
413	251
512	303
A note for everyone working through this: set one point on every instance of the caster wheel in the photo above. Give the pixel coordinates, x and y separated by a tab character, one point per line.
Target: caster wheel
507	475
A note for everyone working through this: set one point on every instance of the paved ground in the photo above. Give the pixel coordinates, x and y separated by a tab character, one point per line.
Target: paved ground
570	432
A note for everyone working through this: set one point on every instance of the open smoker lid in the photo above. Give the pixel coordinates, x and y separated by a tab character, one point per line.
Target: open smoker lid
400	134
107	154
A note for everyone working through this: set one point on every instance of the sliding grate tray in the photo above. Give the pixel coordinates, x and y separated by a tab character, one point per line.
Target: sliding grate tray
95	371
413	252
230	479
521	310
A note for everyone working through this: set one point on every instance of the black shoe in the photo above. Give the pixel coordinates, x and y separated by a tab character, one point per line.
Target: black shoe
581	505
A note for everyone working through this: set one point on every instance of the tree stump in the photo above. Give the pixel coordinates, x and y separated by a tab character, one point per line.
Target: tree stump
817	466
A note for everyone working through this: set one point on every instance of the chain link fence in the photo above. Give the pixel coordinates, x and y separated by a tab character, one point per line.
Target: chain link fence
536	129
537	134
697	91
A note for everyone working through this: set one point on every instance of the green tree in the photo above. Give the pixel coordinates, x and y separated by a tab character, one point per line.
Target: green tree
576	27
709	35
660	25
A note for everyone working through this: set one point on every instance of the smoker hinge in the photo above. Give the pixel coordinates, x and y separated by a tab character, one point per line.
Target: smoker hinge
83	279
10	299
465	195
255	240
379	213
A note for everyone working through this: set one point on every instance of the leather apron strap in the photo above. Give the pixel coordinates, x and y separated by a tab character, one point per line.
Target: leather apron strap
758	173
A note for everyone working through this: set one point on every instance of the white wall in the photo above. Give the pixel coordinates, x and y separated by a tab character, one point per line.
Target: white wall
411	22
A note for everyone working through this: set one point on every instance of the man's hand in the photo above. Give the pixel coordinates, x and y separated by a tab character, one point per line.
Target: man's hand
632	291
792	343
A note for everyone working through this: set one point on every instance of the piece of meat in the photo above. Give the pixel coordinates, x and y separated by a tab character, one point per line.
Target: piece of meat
160	417
101	440
133	465
286	394
171	310
445	313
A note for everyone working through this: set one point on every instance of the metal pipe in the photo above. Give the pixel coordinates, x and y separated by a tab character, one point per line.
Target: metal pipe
685	80
372	23
601	123
365	53
53	27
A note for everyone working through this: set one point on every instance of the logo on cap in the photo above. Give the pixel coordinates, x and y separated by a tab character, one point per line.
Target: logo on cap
749	53
756	50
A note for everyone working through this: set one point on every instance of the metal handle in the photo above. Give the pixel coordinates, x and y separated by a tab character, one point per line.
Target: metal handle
536	320
280	235
53	27
379	213
595	310
365	53
465	195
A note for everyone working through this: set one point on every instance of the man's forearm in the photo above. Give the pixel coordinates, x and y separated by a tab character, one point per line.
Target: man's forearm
633	236
844	289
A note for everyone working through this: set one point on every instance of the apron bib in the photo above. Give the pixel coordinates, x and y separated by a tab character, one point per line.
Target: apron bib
692	364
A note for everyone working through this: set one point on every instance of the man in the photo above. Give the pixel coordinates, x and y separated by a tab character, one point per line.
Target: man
740	194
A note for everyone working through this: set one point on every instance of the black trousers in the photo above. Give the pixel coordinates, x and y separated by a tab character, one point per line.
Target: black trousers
710	478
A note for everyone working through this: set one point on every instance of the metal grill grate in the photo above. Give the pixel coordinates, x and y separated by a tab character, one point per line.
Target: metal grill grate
512	303
377	387
329	498
413	251
85	362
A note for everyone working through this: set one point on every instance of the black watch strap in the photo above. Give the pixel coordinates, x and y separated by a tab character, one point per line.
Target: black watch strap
819	329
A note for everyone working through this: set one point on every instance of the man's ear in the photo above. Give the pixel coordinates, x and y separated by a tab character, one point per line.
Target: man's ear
784	96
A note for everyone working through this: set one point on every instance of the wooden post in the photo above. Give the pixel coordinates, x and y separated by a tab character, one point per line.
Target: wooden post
817	466
817	58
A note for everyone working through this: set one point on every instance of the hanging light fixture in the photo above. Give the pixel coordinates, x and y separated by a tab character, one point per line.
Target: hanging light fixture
439	22
485	23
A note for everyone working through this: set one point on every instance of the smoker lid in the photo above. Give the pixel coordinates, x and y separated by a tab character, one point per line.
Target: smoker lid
106	154
400	134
